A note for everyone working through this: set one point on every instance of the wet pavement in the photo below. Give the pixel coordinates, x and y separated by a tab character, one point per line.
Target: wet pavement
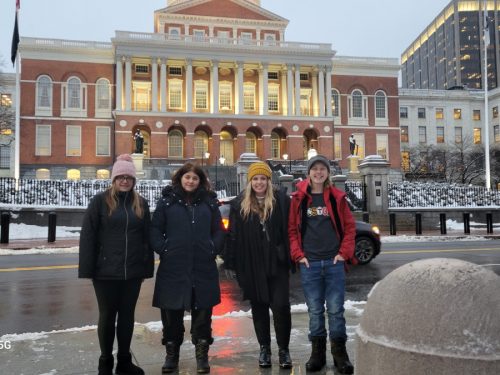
235	349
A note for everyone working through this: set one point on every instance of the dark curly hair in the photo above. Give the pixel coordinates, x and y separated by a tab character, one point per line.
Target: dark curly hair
196	169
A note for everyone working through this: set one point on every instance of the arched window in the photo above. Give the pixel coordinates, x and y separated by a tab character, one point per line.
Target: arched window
251	143
42	174
74	94
175	144
200	144
380	105
102	174
335	103
44	95
358	106
103	97
226	147
73	174
74	97
275	145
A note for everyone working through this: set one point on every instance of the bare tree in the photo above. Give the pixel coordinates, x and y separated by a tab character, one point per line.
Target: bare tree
465	162
7	113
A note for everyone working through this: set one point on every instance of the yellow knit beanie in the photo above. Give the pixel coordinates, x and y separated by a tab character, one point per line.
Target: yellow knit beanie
259	168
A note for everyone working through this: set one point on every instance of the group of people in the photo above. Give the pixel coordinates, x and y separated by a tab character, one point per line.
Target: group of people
269	237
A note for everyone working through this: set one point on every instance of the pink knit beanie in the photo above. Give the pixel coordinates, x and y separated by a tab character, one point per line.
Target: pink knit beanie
123	167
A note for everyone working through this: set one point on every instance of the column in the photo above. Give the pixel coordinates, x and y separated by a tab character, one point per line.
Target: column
321	90
119	83
163	85
154	83
214	87
297	90
265	89
189	85
284	106
261	92
329	91
238	88
314	79
289	87
128	83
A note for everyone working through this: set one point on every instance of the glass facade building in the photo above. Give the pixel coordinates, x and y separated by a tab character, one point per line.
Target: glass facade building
449	52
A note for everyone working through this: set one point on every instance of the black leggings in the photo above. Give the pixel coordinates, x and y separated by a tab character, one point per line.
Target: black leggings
116	297
262	323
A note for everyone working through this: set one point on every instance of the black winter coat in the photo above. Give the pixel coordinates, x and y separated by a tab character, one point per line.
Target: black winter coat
188	237
115	247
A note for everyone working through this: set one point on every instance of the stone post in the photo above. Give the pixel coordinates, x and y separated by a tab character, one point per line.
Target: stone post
432	316
339	181
242	165
138	160
286	181
374	170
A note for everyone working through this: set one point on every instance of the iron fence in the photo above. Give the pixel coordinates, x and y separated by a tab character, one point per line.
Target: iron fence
356	194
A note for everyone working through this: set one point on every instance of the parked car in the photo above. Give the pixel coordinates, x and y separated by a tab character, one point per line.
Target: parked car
367	235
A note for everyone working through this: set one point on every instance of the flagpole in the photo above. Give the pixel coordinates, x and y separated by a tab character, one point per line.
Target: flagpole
17	132
486	110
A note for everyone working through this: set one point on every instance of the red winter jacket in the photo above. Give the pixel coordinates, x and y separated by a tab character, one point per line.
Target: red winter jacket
346	220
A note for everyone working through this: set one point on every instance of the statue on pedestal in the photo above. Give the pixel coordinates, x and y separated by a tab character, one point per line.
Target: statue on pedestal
352	145
139	142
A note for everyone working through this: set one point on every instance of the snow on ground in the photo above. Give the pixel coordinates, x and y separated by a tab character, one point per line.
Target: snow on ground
27	232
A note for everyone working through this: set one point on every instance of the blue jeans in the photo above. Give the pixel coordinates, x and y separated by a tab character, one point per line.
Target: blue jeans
325	281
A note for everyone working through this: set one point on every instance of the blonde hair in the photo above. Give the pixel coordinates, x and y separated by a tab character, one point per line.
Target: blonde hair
250	204
112	201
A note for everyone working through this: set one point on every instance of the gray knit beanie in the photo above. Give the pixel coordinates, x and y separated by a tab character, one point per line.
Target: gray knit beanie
318	159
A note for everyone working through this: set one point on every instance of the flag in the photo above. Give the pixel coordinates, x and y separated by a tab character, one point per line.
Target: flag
15	37
486	26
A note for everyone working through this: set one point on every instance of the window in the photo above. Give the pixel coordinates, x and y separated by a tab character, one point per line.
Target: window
305	102
476	114
225	97
272	75
175	94
73	140
457	114
73	174
142	95
201	95
74	98
337	146
175	143
304	76
43	140
405	161
249	97
199	35
174	33
102	141
102	174
226	147
403	112
4	157
335	103
422	134
273	98
477	136
269	39
5	100
440	134
42	174
141	68
496	133
382	145
439	113
175	70
103	98
200	144
404	134
246	38
380	105
43	96
495	112
421	112
275	145
250	142
458	134
223	36
357	107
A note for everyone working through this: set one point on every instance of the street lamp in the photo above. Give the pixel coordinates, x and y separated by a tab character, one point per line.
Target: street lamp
285	157
311	153
220	160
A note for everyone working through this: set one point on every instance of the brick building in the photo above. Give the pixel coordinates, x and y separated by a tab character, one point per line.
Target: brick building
215	79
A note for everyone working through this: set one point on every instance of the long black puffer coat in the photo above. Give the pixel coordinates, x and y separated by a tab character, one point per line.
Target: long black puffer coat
188	237
115	247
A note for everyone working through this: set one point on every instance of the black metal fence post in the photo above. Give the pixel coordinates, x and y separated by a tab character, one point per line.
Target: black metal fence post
4	222
467	223
52	227
442	223
489	223
418	223
392	224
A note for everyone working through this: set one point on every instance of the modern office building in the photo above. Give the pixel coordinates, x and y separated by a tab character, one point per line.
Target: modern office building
449	52
215	79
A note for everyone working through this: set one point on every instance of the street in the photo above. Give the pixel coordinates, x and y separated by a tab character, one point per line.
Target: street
43	293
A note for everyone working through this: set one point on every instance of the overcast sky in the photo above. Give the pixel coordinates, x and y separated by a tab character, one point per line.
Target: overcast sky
377	28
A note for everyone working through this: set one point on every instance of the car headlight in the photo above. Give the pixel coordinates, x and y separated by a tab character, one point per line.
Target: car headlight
375	229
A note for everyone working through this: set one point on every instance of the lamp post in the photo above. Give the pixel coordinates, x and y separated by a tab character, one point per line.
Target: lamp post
204	155
285	157
220	160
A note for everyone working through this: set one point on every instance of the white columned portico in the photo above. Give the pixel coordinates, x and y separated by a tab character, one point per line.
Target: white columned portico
189	85
328	79
119	83
239	88
297	90
289	88
314	81
321	90
128	83
163	85
284	97
214	87
154	83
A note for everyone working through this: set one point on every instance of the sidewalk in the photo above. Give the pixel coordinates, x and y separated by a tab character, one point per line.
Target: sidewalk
40	243
235	350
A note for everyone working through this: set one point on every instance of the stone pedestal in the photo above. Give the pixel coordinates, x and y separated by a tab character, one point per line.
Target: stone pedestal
375	170
287	182
242	165
339	181
138	160
353	173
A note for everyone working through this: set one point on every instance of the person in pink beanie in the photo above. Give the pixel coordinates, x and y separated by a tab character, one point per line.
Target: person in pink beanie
115	254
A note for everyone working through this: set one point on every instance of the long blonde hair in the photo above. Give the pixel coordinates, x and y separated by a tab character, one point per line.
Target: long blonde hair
112	201
250	204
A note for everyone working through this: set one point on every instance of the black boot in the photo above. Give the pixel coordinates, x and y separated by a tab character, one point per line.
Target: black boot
202	366
318	354
124	366
172	357
265	356
106	363
284	358
340	357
